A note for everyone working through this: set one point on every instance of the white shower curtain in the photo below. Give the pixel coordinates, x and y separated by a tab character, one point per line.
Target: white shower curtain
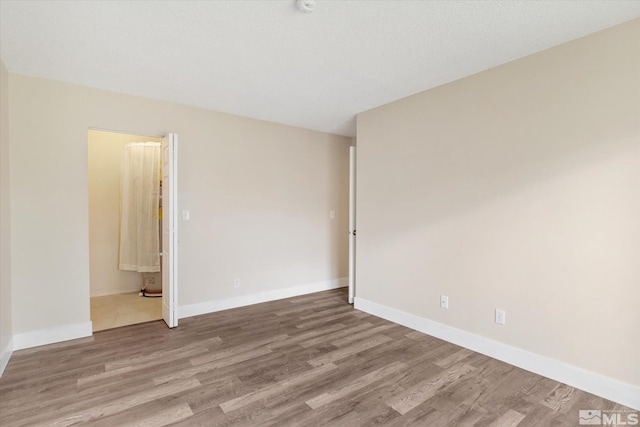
139	206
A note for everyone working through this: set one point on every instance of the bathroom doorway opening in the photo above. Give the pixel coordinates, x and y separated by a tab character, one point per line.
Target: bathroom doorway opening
129	211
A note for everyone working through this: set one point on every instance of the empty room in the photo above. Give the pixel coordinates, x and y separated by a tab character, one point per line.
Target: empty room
319	212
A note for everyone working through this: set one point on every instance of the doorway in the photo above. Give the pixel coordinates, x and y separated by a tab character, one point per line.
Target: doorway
352	224
126	285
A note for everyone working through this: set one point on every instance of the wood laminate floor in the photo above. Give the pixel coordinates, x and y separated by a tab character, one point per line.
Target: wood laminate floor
304	361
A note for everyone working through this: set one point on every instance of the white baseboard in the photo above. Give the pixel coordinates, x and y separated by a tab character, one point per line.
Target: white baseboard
52	335
106	292
600	385
7	351
242	301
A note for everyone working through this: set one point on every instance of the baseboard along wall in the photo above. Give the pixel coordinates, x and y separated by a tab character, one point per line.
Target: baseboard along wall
7	351
52	335
600	385
245	300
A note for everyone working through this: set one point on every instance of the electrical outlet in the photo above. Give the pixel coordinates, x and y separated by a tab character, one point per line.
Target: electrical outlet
501	317
444	301
332	214
236	283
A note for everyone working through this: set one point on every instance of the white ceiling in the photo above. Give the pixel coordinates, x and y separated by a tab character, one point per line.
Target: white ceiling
264	59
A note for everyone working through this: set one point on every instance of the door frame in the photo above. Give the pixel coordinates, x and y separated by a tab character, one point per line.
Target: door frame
170	230
352	224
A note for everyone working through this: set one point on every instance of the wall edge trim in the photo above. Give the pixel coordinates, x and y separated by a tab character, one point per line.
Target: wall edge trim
52	335
245	300
7	351
591	382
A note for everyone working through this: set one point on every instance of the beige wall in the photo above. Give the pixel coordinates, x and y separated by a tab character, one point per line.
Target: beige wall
259	195
516	188
6	329
105	154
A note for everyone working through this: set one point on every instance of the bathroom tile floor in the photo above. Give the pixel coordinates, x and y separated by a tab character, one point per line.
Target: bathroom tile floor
112	311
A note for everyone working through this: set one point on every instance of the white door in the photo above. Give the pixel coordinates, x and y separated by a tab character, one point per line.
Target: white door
169	229
352	223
